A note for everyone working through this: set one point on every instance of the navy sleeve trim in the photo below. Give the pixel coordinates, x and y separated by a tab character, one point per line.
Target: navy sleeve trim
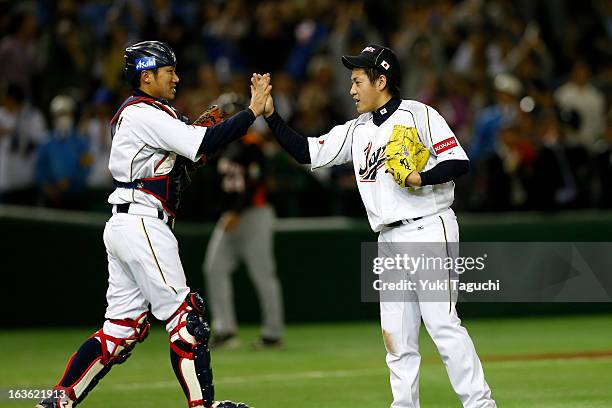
294	143
444	172
226	132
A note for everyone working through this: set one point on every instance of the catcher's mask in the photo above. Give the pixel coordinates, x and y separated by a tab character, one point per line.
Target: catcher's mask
146	55
376	56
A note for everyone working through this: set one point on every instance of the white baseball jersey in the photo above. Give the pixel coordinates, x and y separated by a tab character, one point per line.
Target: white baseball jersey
146	143
361	141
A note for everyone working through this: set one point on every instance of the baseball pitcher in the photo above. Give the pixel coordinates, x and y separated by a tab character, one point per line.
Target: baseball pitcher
405	159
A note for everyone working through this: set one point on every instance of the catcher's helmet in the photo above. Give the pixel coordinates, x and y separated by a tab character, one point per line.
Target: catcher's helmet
146	55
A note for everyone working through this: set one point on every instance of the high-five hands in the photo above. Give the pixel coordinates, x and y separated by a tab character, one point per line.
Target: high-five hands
260	92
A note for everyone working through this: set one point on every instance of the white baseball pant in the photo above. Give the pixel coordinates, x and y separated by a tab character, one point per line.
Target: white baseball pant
401	321
144	268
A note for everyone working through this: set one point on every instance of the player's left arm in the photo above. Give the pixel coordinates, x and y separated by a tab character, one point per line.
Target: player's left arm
452	161
444	172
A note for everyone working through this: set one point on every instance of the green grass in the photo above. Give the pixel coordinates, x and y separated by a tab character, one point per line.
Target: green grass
335	366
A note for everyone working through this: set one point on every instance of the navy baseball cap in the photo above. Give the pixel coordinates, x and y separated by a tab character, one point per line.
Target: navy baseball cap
376	56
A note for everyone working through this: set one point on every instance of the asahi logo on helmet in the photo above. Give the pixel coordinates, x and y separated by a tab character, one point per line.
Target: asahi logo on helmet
145	63
369	49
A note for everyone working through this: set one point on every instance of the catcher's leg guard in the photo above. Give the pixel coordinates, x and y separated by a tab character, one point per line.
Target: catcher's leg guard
189	352
95	358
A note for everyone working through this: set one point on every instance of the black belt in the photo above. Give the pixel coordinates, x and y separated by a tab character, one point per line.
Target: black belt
402	222
125	208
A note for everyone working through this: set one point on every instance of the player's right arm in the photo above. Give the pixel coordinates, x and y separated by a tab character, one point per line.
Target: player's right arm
328	150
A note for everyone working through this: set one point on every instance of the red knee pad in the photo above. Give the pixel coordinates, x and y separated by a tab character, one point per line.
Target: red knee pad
123	345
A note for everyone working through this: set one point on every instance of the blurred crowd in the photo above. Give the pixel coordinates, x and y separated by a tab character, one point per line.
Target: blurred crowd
525	85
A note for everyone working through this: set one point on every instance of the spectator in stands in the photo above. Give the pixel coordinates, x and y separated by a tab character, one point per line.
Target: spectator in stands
490	120
423	68
530	59
455	50
70	57
508	169
603	166
471	54
589	102
267	44
285	94
197	98
553	184
448	95
111	58
20	52
95	127
64	160
350	31
22	129
310	36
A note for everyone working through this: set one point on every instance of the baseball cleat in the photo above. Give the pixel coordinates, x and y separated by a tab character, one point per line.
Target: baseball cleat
267	343
54	403
226	341
229	404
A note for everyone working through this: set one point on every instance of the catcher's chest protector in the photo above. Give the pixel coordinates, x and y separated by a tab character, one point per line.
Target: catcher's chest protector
166	187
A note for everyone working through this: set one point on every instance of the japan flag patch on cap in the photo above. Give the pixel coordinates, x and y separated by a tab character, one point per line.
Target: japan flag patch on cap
385	64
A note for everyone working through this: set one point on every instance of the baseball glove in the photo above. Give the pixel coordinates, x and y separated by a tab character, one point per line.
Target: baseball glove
210	117
404	154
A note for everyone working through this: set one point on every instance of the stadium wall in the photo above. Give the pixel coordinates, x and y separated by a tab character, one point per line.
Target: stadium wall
54	264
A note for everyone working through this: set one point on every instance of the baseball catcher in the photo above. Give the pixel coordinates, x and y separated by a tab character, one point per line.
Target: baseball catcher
153	149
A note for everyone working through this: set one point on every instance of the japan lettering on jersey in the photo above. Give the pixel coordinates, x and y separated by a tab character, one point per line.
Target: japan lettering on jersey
374	161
